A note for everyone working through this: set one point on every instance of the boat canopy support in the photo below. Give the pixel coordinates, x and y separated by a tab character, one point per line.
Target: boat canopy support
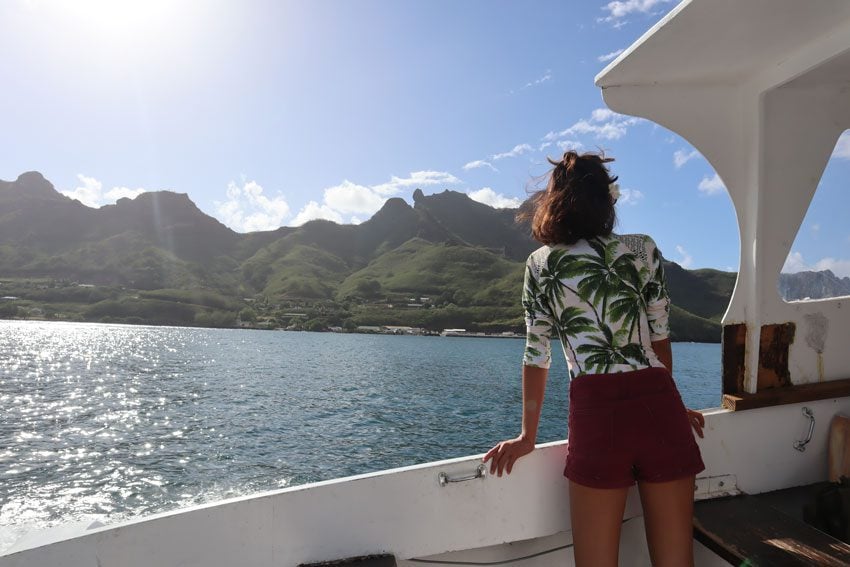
765	109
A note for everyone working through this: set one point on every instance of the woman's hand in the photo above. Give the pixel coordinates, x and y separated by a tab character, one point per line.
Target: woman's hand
505	454
697	421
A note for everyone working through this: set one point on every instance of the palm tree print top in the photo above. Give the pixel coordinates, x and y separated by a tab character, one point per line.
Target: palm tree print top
605	298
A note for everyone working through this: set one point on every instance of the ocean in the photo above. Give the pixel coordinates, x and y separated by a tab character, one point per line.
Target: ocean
110	422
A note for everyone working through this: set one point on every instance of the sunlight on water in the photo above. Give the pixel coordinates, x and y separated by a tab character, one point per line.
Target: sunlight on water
107	422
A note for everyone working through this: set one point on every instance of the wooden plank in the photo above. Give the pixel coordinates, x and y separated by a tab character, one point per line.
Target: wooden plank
743	530
788	395
839	447
774	342
734	352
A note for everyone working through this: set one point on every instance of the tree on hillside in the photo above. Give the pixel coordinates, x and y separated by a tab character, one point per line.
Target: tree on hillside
248	315
368	288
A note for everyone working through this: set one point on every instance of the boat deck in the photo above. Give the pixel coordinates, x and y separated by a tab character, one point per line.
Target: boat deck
768	529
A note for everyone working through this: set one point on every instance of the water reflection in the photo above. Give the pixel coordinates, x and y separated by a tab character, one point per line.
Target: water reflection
104	422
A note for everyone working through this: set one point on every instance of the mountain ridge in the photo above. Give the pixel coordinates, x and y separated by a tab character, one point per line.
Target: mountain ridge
465	257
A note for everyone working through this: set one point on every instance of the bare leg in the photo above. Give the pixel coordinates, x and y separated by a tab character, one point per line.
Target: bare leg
597	514
668	510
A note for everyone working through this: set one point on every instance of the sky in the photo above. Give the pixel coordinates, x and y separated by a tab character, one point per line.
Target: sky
270	113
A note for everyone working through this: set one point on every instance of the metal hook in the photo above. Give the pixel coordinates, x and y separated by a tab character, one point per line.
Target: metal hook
801	445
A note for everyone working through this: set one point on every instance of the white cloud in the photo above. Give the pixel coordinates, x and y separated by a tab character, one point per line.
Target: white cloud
840	268
796	263
123	192
517	150
613	130
602	114
609	56
90	192
603	124
489	197
842	147
416	179
565	145
348	197
711	185
313	211
681	157
547	76
479	163
351	200
630	196
247	209
686	260
619	9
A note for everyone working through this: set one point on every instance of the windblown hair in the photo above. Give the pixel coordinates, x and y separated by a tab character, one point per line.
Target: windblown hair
576	203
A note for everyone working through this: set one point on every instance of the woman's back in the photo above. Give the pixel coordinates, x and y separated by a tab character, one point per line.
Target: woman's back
604	297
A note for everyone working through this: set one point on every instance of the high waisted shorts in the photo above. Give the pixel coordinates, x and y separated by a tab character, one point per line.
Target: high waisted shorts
627	427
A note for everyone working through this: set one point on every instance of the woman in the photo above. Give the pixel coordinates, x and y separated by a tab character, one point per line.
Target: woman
605	297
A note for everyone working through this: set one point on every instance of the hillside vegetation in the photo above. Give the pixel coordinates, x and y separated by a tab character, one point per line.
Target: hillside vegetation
445	261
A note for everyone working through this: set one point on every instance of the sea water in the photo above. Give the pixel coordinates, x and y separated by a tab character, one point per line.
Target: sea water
108	422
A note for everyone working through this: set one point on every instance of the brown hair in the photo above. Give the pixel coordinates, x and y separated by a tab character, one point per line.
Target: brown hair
576	203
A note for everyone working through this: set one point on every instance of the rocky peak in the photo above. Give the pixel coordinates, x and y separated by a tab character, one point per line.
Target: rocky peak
32	184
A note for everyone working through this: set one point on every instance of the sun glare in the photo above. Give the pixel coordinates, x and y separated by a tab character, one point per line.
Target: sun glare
116	18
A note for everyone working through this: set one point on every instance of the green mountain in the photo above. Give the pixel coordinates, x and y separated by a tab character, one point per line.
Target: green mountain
445	261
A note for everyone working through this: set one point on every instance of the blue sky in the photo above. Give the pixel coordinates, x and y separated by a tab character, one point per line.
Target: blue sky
270	113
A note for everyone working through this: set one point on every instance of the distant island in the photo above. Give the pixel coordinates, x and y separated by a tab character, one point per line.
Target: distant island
446	262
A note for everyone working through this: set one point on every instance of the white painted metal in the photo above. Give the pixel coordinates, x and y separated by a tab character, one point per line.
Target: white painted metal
760	88
406	512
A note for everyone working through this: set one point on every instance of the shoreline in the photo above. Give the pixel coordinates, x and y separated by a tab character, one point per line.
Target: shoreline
344	332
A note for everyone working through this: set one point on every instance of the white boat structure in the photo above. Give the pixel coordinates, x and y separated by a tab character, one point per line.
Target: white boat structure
762	89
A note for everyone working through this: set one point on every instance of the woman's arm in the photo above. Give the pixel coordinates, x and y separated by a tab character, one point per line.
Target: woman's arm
503	456
664	352
533	390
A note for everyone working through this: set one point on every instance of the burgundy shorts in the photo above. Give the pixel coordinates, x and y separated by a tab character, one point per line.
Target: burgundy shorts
627	427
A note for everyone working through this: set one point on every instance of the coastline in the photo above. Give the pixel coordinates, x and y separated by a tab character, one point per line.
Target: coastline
470	335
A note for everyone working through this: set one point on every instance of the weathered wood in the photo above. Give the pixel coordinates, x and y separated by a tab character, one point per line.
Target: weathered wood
774	342
787	395
744	531
734	352
839	448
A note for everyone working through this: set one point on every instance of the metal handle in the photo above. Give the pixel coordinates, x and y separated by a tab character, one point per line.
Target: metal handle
801	445
479	473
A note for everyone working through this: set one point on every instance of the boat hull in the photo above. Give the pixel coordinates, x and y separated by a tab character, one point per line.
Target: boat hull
408	513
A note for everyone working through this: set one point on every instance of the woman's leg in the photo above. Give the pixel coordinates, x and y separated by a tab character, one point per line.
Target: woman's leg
597	515
668	510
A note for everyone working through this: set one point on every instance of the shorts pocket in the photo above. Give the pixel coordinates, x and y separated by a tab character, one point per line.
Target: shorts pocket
669	420
591	430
